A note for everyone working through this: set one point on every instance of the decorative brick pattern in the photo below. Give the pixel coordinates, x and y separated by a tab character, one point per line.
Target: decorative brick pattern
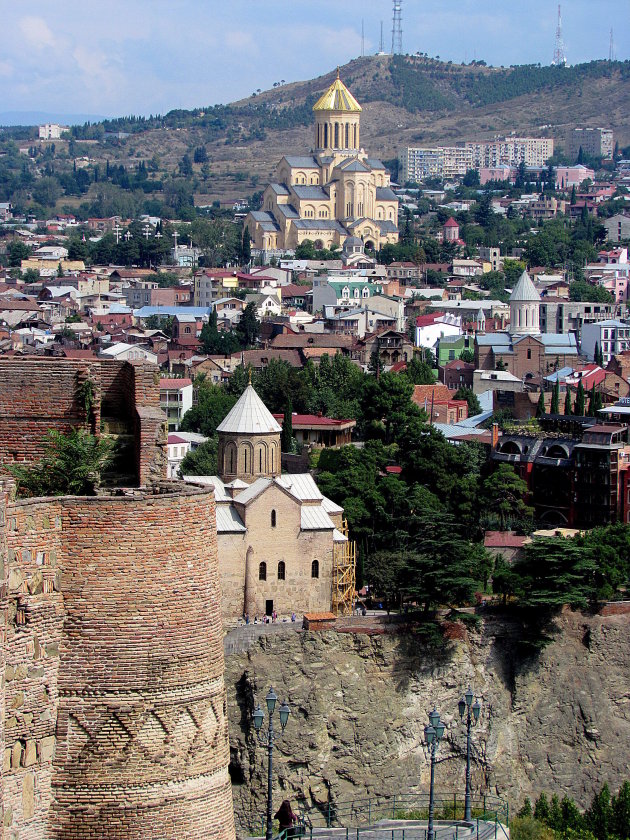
114	701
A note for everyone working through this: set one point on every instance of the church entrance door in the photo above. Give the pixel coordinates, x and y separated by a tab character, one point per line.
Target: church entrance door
268	607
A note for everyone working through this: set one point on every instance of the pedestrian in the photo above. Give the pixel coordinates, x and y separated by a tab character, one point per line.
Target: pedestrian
274	616
363	610
293	616
246	618
286	818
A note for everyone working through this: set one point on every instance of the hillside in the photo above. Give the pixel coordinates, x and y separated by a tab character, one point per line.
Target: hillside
407	100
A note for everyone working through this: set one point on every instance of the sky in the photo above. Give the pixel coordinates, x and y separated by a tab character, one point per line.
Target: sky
119	57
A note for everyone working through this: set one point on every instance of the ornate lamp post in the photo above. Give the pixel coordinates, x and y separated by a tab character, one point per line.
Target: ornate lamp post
265	737
433	734
471	712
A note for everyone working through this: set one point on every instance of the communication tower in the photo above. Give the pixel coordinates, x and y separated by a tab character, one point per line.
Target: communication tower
397	28
611	47
559	58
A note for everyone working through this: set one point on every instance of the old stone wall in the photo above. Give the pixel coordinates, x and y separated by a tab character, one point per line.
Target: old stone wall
114	696
37	395
557	722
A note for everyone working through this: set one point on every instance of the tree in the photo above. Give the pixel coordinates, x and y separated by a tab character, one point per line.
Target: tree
621	812
554	572
540	405
474	406
16	252
471	178
386	574
503	494
202	460
467	356
215	341
287	428
47	191
567	402
598	355
599	817
555	397
248	328
419	372
305	250
579	405
213	405
72	465
505	581
246	250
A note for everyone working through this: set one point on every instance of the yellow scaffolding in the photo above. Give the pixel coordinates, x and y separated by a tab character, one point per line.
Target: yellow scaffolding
344	576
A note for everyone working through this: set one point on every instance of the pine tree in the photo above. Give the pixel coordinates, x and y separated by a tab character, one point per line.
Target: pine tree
578	407
540	407
567	403
555	398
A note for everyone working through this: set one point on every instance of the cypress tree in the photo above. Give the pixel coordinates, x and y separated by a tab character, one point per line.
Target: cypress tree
578	407
540	407
590	411
287	427
555	398
567	403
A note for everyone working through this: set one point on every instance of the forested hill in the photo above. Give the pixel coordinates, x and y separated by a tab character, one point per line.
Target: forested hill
407	100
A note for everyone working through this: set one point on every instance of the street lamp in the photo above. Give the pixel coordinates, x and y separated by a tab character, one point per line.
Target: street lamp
265	738
433	734
471	711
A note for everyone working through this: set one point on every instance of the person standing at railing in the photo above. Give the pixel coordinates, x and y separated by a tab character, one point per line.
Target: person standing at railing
286	818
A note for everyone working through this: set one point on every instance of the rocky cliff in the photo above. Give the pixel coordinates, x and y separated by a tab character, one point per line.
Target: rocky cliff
556	721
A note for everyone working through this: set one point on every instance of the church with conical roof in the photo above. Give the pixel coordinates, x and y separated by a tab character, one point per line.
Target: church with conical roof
282	544
334	192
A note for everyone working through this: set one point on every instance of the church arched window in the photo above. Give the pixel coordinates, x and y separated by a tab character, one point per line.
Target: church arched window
262	571
315	569
336	135
282	570
326	136
355	137
273	519
347	136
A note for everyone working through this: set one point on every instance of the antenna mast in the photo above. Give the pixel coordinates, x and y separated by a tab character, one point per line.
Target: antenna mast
382	45
397	28
611	48
559	58
362	38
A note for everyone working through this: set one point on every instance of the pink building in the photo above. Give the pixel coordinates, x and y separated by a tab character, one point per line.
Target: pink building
568	177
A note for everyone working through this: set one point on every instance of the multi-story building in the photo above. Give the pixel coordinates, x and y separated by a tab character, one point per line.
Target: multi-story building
559	315
612	336
617	227
52	131
176	397
597	142
417	163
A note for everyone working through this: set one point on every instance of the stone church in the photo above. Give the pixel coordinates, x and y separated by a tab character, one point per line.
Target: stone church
281	543
336	191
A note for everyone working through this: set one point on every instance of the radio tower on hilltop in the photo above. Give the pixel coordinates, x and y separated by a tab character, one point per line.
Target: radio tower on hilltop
397	28
559	58
611	47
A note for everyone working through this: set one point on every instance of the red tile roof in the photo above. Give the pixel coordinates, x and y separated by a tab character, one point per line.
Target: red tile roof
451	223
176	439
504	539
428	320
171	384
428	392
393	470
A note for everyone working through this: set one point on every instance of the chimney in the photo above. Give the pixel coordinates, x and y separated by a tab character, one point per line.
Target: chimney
495	435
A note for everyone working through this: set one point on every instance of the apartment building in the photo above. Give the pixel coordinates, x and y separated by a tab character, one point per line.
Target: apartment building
593	141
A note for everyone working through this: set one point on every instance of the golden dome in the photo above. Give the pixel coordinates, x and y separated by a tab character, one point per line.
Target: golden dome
337	98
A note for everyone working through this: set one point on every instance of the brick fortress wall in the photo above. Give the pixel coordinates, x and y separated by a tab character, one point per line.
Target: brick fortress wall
41	394
114	701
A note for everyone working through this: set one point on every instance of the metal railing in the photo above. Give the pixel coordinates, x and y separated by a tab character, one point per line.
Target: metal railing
490	818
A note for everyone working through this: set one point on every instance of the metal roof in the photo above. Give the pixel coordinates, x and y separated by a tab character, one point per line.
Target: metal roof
302	161
313	192
300	485
524	290
385	194
337	98
255	489
315	518
228	520
249	416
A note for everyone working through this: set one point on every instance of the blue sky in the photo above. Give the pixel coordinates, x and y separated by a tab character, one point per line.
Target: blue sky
116	57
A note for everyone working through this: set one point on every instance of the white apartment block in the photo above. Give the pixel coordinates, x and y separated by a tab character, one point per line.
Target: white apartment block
51	131
417	163
612	336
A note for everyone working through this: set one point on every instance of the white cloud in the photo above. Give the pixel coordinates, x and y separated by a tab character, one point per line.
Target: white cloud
36	32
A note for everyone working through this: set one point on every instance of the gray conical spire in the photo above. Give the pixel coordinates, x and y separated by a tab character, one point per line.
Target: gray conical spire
525	290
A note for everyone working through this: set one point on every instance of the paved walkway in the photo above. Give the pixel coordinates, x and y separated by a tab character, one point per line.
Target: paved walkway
412	830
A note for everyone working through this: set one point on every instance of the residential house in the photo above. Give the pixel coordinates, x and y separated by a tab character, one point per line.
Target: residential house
617	227
612	337
178	446
434	326
176	397
316	430
437	401
457	374
392	347
127	352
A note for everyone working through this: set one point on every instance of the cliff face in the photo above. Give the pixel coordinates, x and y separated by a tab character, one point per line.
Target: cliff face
559	721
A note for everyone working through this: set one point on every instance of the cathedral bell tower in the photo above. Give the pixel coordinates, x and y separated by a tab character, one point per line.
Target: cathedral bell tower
337	120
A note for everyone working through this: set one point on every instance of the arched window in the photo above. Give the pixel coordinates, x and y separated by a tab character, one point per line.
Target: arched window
315	569
273	449
336	146
260	468
347	135
262	571
282	571
326	136
273	519
245	459
355	137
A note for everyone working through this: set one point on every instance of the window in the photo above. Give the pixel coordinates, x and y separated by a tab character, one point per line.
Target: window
262	571
273	519
187	330
315	569
529	352
282	570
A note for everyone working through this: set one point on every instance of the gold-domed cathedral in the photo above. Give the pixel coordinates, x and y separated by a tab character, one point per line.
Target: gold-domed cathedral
334	192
